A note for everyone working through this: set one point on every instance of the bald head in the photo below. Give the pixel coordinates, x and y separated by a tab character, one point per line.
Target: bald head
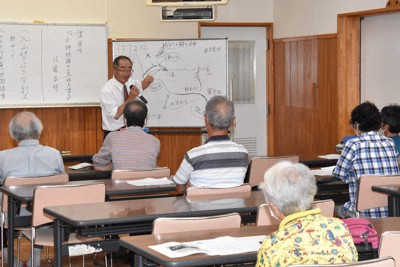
25	125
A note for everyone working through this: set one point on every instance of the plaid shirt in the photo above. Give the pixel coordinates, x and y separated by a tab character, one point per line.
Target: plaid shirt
369	153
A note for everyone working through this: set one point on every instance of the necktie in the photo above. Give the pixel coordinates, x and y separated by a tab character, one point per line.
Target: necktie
125	93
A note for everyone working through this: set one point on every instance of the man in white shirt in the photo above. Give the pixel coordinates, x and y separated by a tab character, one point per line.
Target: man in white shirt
118	91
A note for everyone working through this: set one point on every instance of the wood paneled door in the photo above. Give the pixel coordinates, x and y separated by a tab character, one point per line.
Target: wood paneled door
305	95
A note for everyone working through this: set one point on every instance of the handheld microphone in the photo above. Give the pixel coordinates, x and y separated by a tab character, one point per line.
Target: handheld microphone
140	95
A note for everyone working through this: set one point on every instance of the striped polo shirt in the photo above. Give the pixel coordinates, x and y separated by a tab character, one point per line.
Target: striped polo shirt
218	163
130	149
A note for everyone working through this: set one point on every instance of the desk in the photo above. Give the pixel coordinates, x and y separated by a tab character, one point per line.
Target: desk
25	194
77	158
140	244
137	216
393	192
89	174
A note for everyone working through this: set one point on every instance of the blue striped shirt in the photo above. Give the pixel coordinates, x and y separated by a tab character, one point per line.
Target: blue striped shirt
369	153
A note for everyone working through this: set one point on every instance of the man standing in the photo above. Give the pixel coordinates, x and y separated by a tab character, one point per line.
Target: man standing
118	91
29	159
131	149
219	162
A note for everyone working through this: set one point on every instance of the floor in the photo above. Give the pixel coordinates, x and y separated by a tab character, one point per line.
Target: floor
75	261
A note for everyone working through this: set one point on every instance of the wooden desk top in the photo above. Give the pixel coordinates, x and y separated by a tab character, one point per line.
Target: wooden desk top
113	188
147	210
385	224
88	174
141	243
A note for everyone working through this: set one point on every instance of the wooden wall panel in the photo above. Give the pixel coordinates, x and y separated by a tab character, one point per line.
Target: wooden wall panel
305	95
78	129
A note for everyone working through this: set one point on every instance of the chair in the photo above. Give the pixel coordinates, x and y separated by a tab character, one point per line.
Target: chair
202	191
264	216
380	262
135	175
259	165
366	198
186	224
15	181
388	245
47	196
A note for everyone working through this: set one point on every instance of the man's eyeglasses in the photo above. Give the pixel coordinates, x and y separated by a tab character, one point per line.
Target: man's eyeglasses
124	70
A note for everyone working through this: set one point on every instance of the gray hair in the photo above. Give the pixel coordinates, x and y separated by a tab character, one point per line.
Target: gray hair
220	112
25	125
290	186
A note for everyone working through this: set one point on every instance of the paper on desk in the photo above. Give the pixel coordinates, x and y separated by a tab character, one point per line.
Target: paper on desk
81	166
329	156
225	245
150	181
325	171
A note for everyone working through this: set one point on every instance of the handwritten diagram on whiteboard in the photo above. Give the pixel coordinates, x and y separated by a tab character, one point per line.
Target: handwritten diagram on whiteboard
186	74
52	65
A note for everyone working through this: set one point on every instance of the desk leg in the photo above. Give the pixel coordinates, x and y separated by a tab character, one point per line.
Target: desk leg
58	237
12	209
393	206
138	260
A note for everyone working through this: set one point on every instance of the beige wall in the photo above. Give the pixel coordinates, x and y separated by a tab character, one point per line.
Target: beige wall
133	19
53	11
127	18
310	17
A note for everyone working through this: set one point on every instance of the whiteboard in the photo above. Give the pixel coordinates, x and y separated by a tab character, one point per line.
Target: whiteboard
187	73
52	65
380	59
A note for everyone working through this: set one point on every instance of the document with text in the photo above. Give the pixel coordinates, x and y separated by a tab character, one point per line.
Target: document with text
225	245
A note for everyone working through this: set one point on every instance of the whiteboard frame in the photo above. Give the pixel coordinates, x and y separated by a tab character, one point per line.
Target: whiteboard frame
227	89
59	105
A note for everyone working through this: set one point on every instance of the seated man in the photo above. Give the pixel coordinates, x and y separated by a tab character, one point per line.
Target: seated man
391	125
132	148
305	236
29	159
368	153
219	162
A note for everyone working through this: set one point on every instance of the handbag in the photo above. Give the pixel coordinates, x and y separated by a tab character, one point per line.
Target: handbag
362	231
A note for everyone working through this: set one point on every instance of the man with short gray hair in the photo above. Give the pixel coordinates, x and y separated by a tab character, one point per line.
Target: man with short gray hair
220	162
29	159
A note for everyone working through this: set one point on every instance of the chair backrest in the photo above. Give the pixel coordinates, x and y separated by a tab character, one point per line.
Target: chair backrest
51	179
379	262
259	165
136	175
264	216
327	206
186	224
202	191
388	245
367	198
47	196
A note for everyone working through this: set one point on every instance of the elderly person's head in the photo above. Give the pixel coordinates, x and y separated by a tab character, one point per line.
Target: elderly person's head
365	117
25	125
220	113
289	188
135	113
